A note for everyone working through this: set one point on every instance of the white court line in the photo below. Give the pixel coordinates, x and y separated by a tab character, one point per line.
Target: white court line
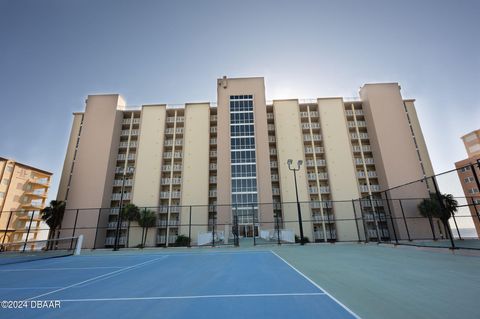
94	278
176	253
316	285
194	297
32	288
62	268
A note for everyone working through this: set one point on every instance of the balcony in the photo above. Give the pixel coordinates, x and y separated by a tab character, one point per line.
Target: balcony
271	127
275	178
213	118
213	153
37	193
331	235
307	126
273	151
212	193
316	150
319	162
117	196
171	209
364	148
271	139
43	182
357	112
328	218
373	188
313	176
133	144
313	137
366	203
213	129
361	136
174	154
269	116
110	241
113	225
166	195
120	169
212	179
161	239
370	174
359	124
119	182
212	166
213	141
323	190
123	157
322	204
368	161
173	181
276	191
274	164
163	223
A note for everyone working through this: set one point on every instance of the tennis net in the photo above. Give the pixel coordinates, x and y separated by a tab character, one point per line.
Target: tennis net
17	252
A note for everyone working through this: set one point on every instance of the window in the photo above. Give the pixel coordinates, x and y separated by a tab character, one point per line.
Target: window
2	194
468	179
9	168
5	181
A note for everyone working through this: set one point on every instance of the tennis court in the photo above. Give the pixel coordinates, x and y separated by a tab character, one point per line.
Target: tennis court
203	284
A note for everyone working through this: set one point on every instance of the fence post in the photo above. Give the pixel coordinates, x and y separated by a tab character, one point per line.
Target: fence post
213	231
355	217
278	229
330	227
377	230
190	227
253	224
475	208
391	218
28	231
365	230
404	219
74	228
6	228
96	229
456	226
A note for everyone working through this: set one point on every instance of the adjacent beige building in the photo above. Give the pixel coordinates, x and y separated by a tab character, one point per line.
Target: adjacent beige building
215	165
23	193
467	169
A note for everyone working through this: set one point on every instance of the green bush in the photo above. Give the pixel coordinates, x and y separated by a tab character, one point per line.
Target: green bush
182	241
305	239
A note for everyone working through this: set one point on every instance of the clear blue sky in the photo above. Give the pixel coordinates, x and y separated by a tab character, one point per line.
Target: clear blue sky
54	53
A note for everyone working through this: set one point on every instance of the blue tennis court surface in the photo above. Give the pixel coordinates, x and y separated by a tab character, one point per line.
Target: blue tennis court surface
255	284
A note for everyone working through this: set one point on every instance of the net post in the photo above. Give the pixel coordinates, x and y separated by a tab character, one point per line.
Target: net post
365	230
78	246
213	231
28	231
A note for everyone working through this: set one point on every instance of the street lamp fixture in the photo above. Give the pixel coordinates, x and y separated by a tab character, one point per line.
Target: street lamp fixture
128	170
299	211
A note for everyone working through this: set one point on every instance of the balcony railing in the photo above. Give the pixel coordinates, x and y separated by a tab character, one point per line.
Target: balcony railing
111	241
161	239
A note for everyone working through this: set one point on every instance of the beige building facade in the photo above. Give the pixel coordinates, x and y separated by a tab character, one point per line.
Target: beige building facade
205	168
23	194
468	171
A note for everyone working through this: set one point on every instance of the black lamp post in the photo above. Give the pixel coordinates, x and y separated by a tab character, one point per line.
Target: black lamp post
299	211
129	170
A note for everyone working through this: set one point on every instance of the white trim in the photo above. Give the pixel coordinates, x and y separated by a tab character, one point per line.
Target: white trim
316	285
295	294
62	268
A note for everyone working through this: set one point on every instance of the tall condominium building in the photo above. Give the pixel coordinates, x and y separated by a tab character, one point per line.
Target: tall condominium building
23	193
229	160
469	174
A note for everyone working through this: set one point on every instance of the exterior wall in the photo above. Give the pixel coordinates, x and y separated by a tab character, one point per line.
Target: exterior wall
341	169
23	193
290	146
472	143
394	151
94	167
195	175
417	131
146	190
473	197
240	86
69	157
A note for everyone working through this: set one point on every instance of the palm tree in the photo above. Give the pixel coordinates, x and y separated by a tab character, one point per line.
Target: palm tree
130	212
450	205
146	219
429	207
53	216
